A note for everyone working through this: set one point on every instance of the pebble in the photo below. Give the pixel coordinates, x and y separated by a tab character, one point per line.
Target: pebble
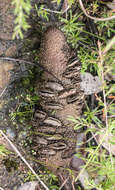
28	186
76	163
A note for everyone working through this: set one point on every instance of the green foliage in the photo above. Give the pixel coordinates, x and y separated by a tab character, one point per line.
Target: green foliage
88	59
106	28
3	151
42	12
103	169
50	179
25	109
99	163
27	100
73	28
30	177
21	11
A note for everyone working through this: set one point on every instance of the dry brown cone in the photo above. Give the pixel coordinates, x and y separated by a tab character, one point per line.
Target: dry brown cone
61	97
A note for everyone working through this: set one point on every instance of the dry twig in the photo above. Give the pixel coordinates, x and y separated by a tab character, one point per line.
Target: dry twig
24	160
94	18
3	91
65	181
58	12
104	97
